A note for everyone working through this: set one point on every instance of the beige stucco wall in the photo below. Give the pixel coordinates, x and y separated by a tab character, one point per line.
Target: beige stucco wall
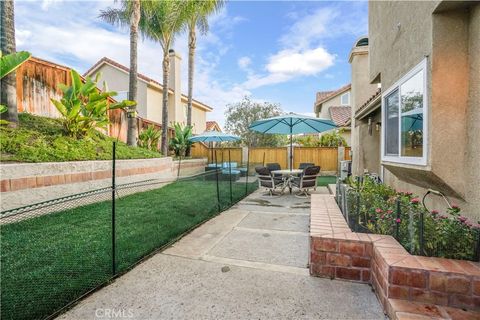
365	151
199	120
472	159
154	102
118	81
447	34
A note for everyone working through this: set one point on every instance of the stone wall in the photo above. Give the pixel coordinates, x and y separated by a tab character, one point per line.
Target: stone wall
28	183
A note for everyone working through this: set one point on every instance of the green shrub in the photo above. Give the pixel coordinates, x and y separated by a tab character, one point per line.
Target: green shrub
448	235
180	143
84	108
40	139
149	138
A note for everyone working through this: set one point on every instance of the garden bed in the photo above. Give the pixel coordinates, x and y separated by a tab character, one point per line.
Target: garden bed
372	207
438	284
41	139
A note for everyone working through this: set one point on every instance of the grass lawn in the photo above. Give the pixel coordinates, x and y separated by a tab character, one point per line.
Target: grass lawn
40	139
326	180
51	260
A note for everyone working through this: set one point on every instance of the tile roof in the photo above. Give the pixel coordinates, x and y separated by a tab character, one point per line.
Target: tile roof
323	96
370	99
211	125
340	115
140	76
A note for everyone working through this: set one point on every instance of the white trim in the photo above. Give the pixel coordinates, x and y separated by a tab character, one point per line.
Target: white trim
422	161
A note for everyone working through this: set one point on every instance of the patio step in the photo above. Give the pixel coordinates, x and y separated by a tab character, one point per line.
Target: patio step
409	310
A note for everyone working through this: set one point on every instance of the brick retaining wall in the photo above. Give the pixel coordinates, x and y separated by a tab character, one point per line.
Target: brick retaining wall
338	253
28	183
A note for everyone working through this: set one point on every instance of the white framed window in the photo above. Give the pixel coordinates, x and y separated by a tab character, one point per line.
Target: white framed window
345	99
404	118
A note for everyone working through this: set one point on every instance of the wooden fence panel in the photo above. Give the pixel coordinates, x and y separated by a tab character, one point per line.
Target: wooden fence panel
347	153
325	157
236	155
278	155
199	150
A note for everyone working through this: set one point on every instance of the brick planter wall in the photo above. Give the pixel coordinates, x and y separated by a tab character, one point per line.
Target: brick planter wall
339	253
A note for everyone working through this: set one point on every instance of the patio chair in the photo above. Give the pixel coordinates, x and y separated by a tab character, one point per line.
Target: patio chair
304	165
306	181
268	181
273	167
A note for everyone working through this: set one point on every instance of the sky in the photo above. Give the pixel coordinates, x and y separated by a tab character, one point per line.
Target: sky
276	51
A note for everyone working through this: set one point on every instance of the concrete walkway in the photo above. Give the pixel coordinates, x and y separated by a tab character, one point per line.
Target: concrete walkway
250	262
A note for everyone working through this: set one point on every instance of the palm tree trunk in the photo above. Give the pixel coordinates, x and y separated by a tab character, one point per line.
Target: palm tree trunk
192	39
132	86
7	46
166	66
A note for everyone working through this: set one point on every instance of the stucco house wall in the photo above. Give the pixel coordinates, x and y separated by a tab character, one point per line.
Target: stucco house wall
365	147
118	81
446	34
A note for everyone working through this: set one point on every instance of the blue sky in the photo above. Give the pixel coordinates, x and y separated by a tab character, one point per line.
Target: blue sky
277	51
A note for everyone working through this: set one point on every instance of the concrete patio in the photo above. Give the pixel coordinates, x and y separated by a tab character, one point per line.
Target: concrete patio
249	262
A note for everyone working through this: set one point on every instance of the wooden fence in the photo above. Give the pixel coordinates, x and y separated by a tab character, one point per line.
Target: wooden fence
200	150
270	155
325	157
37	83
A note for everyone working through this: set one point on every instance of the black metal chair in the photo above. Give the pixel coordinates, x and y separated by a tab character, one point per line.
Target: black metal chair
273	167
304	165
267	180
306	181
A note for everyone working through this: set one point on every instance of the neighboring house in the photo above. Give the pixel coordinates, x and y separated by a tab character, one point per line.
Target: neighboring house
38	81
335	106
150	91
213	126
426	119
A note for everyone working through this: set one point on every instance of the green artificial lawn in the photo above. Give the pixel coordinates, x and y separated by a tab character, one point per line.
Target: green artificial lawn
40	139
326	180
51	260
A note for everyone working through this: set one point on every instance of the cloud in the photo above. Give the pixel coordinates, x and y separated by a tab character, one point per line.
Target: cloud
244	62
302	49
73	35
288	64
292	62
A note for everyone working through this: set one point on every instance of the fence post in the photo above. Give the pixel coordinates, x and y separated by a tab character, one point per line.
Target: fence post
230	175
218	189
421	227
113	207
397	224
246	177
340	157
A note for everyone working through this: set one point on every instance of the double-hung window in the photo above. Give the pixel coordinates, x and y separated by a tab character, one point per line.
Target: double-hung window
404	112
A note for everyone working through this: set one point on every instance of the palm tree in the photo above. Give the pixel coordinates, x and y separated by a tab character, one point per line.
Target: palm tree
7	46
197	16
130	10
164	20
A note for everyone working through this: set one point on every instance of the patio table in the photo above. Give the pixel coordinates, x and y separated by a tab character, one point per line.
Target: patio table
289	174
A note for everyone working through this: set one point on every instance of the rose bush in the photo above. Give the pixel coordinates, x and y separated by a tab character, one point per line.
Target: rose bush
381	209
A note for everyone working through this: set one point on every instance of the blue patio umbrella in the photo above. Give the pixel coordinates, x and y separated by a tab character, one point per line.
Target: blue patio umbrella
291	124
214	136
412	120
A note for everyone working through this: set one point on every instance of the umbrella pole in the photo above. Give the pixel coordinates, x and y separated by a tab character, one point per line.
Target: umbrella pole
291	149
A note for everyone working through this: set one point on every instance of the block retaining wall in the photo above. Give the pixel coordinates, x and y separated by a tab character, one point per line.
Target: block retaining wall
28	183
